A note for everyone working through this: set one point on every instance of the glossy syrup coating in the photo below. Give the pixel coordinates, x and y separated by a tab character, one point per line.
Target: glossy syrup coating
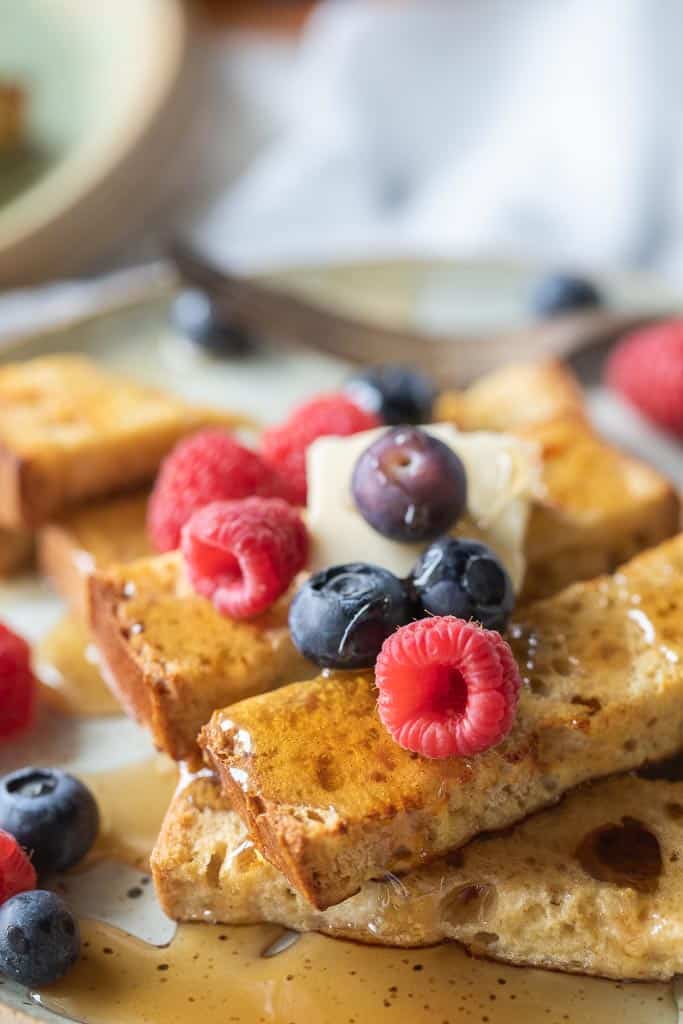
172	658
574	888
332	800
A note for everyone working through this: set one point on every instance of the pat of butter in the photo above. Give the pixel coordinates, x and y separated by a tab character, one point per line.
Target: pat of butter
502	478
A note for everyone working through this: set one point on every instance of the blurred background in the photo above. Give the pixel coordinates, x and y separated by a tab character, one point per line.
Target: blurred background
280	131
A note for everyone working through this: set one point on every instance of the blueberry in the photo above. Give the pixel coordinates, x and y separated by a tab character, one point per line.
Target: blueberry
397	394
341	617
409	486
39	938
196	316
51	814
555	294
464	578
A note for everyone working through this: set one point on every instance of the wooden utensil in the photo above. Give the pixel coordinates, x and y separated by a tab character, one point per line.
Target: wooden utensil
454	359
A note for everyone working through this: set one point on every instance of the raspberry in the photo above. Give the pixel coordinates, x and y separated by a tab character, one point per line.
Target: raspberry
17	683
447	688
243	555
284	447
647	369
17	873
209	466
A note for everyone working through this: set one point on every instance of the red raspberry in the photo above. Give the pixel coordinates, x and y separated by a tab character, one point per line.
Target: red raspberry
243	555
647	369
447	688
17	873
284	446
17	684
209	466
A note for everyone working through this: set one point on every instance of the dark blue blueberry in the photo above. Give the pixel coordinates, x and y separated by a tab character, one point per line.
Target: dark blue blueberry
466	579
397	394
409	486
196	316
558	293
341	617
50	813
39	938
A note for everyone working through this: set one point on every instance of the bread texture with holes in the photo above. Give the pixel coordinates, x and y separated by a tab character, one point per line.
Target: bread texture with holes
589	886
599	508
331	800
171	658
89	537
70	431
513	396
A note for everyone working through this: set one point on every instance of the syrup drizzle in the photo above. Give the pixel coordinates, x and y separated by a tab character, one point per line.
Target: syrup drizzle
209	973
266	975
133	801
68	666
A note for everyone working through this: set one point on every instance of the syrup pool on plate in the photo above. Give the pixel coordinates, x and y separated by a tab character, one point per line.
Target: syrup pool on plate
209	973
214	973
68	666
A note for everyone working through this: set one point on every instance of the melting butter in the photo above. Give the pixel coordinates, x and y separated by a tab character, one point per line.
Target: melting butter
502	478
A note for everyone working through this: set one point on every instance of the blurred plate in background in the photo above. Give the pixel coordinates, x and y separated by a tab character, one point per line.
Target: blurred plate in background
99	77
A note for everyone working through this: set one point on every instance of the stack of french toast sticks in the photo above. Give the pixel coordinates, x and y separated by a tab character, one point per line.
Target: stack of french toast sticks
296	806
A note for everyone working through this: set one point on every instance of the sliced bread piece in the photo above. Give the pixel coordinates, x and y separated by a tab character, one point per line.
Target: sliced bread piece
70	431
171	658
331	800
91	537
16	547
590	886
513	396
600	507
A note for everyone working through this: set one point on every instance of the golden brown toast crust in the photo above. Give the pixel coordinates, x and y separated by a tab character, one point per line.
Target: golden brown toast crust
70	431
91	537
172	659
513	396
592	885
601	507
331	800
16	548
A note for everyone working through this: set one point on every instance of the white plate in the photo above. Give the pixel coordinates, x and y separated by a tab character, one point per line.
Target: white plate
140	341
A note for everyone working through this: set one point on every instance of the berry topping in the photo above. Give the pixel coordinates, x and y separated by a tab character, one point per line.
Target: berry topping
50	813
397	394
243	555
464	578
209	466
409	486
647	369
284	447
17	873
204	323
555	294
447	688
341	617
17	684
39	938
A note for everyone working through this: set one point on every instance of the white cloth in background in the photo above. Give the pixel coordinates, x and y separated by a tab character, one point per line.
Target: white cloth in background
543	128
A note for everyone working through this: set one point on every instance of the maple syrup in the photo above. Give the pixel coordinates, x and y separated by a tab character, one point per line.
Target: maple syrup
215	973
209	973
133	800
68	667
